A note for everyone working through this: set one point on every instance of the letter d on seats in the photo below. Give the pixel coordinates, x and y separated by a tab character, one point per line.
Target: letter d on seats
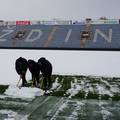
39	34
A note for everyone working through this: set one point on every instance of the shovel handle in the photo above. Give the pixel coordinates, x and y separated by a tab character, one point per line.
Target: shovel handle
19	81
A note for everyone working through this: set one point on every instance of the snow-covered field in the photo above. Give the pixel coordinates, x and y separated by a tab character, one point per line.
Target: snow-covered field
85	87
78	98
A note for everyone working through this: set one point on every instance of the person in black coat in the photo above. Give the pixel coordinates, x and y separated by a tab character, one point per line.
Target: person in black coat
21	66
46	71
35	71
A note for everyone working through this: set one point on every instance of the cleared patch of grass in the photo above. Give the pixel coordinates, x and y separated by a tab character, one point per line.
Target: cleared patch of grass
66	84
3	88
80	95
12	106
94	81
92	95
105	97
58	93
116	97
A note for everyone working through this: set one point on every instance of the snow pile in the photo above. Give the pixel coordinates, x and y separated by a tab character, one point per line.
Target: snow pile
55	85
24	92
75	88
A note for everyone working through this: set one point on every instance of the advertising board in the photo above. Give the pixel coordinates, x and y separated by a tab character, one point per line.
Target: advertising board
23	22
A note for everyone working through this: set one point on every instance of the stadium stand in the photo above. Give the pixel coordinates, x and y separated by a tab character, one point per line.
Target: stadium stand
81	36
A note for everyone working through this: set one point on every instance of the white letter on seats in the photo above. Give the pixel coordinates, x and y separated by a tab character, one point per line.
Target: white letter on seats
107	38
68	35
7	32
29	39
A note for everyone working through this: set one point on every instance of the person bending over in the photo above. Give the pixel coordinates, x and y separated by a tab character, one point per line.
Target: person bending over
35	71
21	66
46	71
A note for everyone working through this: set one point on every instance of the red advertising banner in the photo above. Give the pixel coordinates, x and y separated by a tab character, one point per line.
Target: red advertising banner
23	23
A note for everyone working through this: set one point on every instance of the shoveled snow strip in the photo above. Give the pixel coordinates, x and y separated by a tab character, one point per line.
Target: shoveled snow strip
24	92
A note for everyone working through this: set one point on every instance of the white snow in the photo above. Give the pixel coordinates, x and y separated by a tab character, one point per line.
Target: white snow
55	85
103	91
106	114
63	106
102	88
74	113
115	89
104	110
3	96
11	115
75	88
24	92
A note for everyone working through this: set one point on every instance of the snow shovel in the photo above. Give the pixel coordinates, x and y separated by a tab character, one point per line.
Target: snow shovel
41	84
19	82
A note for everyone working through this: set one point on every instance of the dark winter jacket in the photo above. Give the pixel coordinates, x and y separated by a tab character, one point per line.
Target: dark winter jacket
45	67
21	65
33	67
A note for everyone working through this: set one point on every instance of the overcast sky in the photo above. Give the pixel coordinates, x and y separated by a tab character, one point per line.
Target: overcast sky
63	9
75	62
